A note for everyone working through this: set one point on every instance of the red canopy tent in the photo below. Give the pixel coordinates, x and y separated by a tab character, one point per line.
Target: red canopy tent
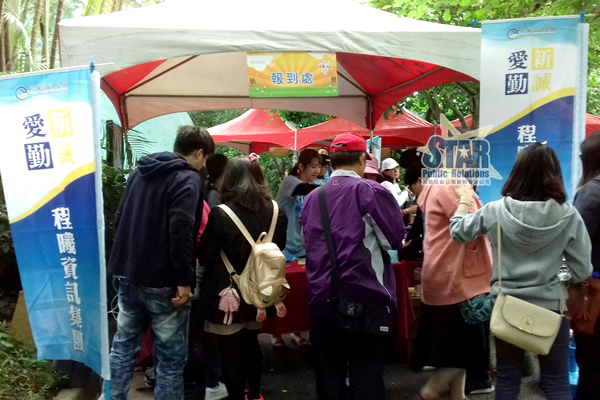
258	130
159	60
255	130
400	131
592	124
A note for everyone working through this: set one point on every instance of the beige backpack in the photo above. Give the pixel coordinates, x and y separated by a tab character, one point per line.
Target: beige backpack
263	283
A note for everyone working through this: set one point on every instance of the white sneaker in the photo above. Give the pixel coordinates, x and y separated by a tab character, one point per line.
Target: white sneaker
217	393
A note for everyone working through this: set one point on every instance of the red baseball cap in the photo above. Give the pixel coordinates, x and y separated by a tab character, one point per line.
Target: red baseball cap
348	142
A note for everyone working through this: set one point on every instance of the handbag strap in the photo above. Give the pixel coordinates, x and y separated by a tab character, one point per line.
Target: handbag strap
499	258
562	303
329	240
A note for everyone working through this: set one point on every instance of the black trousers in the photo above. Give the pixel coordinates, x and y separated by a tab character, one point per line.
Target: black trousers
588	360
336	357
242	361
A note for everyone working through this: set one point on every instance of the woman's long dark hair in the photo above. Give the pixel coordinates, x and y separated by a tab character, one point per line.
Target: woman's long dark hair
590	158
305	158
386	177
536	176
215	166
244	183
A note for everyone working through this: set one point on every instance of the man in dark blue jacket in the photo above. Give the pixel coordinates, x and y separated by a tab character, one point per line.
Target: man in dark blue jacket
153	259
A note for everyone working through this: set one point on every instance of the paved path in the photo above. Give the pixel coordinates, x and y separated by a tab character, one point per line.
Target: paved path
289	375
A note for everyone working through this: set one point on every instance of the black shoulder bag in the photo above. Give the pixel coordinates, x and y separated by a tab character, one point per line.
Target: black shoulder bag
352	317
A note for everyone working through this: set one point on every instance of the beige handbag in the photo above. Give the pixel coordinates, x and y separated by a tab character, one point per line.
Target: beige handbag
522	324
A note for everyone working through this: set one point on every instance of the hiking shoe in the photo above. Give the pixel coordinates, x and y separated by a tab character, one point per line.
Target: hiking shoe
473	387
150	377
299	341
277	342
217	393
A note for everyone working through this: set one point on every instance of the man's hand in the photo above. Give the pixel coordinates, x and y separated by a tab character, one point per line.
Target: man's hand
183	295
409	210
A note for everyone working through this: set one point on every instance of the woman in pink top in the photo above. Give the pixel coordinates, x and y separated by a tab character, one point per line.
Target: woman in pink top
452	273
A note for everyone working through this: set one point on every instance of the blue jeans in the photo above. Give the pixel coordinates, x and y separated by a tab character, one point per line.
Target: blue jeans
554	368
140	307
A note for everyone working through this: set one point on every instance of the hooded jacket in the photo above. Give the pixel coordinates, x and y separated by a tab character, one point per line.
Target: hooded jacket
535	235
365	221
157	223
587	202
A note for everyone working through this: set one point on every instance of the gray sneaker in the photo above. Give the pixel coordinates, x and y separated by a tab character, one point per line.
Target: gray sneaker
217	393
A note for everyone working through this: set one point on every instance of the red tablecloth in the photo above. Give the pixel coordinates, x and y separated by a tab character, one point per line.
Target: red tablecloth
297	318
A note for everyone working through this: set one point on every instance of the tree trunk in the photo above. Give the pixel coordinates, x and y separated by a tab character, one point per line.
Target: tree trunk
35	28
25	10
46	51
452	106
2	55
102	9
7	50
59	10
433	107
473	102
121	5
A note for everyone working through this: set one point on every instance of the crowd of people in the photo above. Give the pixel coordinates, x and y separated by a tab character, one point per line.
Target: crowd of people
177	234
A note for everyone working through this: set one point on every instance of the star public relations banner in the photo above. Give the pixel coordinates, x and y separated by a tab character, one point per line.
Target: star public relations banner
51	172
533	89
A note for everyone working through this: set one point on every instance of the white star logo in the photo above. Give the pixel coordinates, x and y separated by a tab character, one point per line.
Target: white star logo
464	152
449	132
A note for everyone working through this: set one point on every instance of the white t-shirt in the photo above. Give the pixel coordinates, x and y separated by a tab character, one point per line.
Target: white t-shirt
400	195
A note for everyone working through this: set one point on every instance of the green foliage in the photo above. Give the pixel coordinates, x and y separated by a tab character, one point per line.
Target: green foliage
275	170
23	376
8	261
113	186
208	119
303	119
465	12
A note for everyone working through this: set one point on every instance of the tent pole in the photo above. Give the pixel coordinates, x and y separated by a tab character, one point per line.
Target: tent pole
370	114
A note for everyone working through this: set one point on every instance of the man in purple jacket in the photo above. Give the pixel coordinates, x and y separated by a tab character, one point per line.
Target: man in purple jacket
365	221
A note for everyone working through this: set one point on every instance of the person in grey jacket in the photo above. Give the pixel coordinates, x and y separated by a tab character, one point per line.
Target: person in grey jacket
587	202
538	228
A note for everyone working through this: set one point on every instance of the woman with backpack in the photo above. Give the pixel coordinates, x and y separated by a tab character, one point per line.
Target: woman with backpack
244	191
537	228
587	202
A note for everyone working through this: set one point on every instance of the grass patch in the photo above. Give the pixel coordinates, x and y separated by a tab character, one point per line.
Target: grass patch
22	375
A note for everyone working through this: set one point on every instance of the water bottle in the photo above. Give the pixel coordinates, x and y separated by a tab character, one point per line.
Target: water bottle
564	274
418	288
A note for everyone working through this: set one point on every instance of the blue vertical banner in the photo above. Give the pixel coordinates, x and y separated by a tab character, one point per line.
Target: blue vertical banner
533	89
50	161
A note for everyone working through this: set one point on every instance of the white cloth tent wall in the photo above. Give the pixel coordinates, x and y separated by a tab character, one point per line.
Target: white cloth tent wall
186	55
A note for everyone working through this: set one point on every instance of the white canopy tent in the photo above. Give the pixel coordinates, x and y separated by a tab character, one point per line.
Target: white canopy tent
190	55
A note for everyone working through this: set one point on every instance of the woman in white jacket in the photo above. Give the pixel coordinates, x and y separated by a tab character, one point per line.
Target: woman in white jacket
391	173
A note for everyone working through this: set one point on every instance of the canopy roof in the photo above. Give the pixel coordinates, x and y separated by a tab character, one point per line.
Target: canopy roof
253	129
190	55
257	130
398	131
592	124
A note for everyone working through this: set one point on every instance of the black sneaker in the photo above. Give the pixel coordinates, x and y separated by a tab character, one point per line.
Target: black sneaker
150	377
473	387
